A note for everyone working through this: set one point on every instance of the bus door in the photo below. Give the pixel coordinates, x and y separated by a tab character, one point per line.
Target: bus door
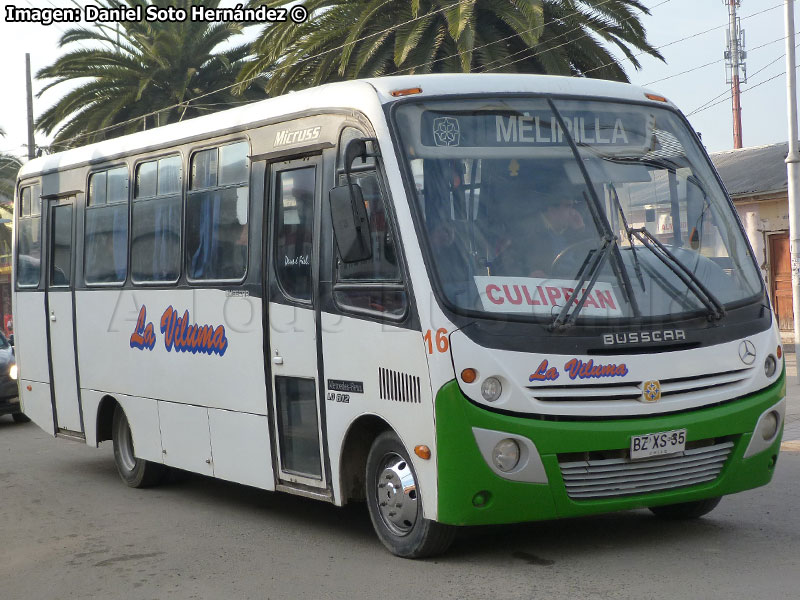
59	303
292	319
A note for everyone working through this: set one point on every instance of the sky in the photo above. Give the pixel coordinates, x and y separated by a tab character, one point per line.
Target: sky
703	22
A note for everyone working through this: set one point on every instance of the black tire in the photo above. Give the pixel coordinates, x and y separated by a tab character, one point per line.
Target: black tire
20	418
686	510
135	472
396	510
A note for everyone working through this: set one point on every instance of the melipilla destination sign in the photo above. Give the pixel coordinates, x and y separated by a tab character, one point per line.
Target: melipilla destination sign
532	128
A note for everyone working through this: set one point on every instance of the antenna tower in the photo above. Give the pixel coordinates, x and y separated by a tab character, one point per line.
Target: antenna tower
735	68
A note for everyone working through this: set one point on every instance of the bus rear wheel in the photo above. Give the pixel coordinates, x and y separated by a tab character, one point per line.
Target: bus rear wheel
686	510
135	472
395	503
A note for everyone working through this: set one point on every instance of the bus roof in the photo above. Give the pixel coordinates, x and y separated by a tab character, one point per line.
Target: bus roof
359	94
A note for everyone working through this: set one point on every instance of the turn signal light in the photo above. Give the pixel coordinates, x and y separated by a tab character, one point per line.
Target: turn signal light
469	375
406	92
656	97
779	352
423	452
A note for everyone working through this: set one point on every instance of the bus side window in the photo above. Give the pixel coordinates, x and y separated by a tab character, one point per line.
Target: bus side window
29	233
106	234
294	230
217	214
379	279
156	221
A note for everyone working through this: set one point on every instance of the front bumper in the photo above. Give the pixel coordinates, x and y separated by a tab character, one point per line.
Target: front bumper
471	493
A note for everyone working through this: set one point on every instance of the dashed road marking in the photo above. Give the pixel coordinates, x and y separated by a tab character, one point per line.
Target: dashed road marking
791	446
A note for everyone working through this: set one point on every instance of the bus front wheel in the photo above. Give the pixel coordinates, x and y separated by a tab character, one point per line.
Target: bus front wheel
135	472
686	510
395	503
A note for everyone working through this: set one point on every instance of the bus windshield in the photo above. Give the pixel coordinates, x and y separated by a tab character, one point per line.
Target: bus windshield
531	204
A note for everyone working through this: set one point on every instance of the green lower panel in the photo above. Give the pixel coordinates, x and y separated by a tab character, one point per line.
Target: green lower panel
463	473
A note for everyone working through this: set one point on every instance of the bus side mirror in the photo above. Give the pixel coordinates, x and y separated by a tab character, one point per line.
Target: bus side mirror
350	223
348	212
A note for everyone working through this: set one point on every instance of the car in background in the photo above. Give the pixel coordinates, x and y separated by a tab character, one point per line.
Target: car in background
9	390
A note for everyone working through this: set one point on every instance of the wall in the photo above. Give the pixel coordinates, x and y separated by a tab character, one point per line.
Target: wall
761	219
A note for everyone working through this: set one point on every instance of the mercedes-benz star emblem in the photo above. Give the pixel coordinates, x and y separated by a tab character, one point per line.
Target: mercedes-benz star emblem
747	352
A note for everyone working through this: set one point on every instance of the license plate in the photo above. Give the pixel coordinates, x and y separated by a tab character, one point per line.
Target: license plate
658	444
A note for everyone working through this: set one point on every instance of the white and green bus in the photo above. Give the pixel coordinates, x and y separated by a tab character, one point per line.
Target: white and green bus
464	299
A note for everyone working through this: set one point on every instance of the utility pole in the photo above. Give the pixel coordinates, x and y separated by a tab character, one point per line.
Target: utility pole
734	62
29	90
793	170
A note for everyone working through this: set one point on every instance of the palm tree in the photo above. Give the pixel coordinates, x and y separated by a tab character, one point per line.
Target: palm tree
569	42
346	39
9	167
137	68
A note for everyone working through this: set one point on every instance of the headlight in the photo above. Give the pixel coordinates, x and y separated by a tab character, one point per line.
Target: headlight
506	455
12	372
770	366
768	426
491	389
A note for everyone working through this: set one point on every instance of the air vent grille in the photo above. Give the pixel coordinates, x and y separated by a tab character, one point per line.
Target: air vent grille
399	387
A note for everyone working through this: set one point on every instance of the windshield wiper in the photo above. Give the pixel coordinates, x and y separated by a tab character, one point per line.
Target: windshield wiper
565	319
628	230
684	273
601	222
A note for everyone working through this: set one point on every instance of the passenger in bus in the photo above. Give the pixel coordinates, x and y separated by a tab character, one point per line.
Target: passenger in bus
538	242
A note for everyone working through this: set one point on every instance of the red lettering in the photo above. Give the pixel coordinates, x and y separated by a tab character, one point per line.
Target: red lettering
541	294
492	288
606	299
143	336
589	300
219	342
168	327
553	293
543	373
528	299
518	299
572	368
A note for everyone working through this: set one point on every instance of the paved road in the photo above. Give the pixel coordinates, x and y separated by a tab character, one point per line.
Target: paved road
69	528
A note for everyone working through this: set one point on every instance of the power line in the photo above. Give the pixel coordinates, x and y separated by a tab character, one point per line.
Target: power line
683	39
781	74
727	91
713	62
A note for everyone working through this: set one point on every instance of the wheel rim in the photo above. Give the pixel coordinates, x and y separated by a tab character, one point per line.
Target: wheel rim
125	444
396	493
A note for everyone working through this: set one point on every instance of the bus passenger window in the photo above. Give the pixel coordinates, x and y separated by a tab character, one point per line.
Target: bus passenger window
61	236
29	240
294	197
106	235
156	221
217	214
